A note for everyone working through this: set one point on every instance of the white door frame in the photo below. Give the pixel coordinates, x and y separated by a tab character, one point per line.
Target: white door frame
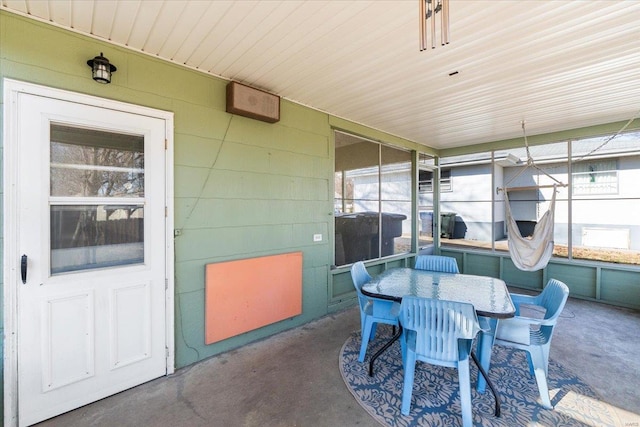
12	88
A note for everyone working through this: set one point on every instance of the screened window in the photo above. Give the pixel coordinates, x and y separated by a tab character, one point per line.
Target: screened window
372	200
594	212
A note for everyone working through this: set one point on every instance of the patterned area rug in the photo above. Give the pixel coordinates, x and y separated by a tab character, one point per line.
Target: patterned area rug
436	400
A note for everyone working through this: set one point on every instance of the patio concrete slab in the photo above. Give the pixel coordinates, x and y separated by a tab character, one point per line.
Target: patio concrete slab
292	379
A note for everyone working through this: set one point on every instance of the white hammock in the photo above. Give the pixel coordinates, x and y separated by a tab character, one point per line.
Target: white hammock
531	253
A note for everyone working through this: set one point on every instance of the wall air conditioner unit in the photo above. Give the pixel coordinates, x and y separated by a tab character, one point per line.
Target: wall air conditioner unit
253	103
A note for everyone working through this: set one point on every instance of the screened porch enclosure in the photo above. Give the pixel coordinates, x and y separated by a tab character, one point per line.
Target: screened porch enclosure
596	212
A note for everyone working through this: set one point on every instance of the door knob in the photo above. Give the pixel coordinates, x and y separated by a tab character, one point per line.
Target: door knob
23	268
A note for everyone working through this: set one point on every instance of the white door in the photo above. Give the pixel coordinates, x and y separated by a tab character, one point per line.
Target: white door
91	317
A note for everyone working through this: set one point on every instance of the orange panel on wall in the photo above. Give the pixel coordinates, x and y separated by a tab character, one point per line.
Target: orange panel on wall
246	294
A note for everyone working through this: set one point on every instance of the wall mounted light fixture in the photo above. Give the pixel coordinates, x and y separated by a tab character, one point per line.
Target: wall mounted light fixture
101	69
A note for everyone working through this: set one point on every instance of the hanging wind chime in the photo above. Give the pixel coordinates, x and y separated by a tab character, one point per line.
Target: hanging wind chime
429	12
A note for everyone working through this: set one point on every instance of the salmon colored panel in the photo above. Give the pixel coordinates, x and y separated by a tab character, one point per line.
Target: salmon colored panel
247	294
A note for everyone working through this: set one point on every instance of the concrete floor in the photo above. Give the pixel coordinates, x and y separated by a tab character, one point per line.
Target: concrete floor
292	379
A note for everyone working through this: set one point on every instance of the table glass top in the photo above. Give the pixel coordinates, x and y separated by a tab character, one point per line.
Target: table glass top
489	295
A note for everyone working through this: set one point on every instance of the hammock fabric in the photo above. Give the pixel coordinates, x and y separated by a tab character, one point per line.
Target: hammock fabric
531	253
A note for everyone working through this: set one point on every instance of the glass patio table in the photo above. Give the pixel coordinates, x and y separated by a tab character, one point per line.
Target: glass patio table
488	295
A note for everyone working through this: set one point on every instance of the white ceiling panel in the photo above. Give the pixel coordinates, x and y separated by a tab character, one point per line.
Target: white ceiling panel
125	17
19	6
191	14
145	20
555	64
81	15
38	8
199	29
166	21
104	14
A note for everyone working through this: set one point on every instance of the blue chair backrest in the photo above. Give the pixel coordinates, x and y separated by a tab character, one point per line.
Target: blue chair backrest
442	264
360	276
438	325
553	298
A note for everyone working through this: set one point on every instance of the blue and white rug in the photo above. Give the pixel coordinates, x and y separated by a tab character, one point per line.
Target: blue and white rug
436	400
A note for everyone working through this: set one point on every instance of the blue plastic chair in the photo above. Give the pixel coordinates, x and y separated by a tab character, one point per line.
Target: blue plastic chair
441	333
534	334
442	264
372	310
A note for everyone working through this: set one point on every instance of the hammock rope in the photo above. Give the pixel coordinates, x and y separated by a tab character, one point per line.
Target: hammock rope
530	164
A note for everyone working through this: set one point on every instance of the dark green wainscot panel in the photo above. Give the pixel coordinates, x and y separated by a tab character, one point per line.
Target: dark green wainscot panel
581	280
393	263
522	279
341	290
341	286
620	287
480	264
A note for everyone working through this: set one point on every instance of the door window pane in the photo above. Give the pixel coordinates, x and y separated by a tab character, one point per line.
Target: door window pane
84	237
86	164
92	163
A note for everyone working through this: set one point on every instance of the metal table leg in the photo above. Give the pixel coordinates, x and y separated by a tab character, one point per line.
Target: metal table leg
488	381
384	348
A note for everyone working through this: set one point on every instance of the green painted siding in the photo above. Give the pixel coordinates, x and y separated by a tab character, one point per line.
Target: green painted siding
243	188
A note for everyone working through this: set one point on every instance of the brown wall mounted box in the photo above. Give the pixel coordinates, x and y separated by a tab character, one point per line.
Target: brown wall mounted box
254	103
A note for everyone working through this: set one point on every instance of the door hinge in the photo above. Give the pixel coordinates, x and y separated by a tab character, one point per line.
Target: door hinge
166	211
166	284
166	144
166	352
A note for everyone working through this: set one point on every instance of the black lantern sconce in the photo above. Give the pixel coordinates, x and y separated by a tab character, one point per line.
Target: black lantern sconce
101	69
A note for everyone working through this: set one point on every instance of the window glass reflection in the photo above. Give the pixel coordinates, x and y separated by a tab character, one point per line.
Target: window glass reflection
84	237
92	163
372	200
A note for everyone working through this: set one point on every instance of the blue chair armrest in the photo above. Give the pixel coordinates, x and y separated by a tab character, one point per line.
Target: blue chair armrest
524	320
385	308
522	299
